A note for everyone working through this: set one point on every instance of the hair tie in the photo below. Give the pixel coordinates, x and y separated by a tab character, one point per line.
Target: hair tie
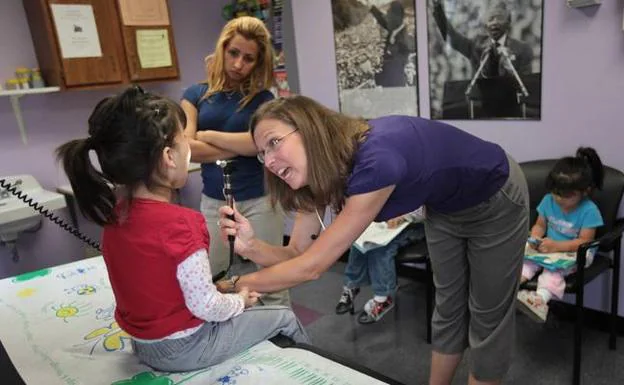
138	89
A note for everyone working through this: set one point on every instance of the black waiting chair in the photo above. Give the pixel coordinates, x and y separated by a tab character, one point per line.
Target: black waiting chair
408	262
608	239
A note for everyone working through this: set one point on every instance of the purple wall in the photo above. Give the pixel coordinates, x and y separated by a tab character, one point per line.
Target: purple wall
582	90
52	119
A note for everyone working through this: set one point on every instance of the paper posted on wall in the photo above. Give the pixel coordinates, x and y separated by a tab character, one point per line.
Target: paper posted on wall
153	48
76	30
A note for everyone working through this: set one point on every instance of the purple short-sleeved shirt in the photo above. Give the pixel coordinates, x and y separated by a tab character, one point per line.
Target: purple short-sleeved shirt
429	162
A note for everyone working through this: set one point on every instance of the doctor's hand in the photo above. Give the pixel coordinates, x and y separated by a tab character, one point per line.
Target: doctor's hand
225	286
239	227
250	297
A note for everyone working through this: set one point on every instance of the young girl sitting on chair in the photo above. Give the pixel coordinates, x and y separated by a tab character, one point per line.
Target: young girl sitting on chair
155	251
567	218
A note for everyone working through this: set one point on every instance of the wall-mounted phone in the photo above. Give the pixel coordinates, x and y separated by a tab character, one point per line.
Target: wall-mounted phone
23	202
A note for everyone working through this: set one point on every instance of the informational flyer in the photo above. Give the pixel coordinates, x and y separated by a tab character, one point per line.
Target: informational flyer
76	30
153	48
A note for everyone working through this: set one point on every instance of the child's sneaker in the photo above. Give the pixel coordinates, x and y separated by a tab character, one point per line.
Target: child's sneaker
533	305
345	304
373	310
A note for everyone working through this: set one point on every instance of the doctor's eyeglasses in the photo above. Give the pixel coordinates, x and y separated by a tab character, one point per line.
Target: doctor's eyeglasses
272	146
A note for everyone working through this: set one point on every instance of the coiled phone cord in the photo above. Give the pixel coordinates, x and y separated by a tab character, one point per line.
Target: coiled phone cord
13	189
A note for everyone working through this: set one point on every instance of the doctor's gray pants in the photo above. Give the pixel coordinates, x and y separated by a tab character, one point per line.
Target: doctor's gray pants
476	256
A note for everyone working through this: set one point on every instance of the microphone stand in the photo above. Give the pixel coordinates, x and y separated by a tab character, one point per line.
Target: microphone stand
523	89
474	80
227	167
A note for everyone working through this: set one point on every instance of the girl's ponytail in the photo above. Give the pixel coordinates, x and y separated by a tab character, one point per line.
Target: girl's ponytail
94	196
590	156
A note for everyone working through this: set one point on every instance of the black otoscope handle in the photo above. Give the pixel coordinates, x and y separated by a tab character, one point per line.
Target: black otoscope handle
229	200
227	168
227	193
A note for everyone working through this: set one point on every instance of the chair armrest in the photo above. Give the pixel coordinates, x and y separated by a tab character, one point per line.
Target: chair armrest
606	240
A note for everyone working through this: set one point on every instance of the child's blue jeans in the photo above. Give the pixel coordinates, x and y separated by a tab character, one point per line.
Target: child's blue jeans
377	266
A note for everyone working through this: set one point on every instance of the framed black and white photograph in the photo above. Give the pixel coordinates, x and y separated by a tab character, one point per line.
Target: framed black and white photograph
485	58
376	62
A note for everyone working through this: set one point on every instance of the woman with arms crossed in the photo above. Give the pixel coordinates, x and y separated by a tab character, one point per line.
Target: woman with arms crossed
476	202
239	74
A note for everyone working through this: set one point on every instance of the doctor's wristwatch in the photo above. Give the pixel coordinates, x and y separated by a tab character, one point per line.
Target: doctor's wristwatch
228	285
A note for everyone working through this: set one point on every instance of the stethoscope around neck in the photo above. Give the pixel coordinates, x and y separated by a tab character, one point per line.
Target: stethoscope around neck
318	216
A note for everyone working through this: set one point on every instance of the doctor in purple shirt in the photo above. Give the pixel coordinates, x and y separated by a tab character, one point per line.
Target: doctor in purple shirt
476	203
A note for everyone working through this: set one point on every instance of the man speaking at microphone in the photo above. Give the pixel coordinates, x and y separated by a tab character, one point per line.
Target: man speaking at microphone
495	41
499	63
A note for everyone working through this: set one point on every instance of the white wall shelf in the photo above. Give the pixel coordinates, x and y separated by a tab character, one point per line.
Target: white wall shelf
15	95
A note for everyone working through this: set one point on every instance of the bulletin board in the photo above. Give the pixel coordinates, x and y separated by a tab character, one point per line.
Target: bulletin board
76	45
148	39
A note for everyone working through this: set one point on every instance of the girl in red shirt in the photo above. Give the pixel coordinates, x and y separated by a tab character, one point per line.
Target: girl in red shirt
156	251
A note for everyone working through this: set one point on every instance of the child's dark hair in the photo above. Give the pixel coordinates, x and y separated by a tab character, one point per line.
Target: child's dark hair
583	172
128	132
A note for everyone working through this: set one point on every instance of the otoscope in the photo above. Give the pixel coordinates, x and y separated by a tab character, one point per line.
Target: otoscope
227	167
